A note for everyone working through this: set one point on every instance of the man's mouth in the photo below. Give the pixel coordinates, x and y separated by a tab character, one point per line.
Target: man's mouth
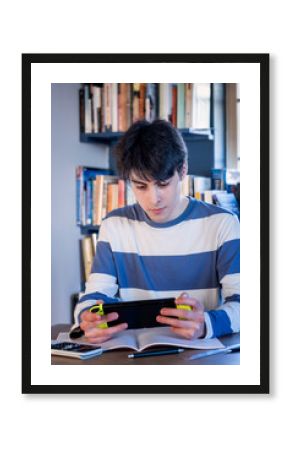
157	210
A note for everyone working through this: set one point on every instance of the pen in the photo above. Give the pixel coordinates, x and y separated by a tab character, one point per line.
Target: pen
229	349
156	353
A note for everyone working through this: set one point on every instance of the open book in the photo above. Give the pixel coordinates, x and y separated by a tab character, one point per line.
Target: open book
142	338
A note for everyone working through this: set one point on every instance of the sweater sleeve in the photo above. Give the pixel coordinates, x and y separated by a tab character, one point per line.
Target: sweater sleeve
102	283
225	319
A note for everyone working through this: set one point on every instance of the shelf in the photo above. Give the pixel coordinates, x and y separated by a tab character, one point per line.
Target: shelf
194	134
107	137
89	229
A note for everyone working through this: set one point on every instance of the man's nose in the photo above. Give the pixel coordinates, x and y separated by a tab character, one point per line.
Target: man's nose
154	195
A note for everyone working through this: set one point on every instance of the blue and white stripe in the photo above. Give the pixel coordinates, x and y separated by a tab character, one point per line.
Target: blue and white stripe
198	253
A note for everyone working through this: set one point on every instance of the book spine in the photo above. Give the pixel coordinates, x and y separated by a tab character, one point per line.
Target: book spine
121	193
104	199
78	195
148	102
98	199
108	107
87	251
136	102
201	106
82	198
129	112
142	101
82	109
114	107
163	101
188	104
99	107
103	108
89	202
107	194
94	90
169	101
121	107
115	195
88	109
94	239
155	101
180	106
94	183
112	196
174	106
109	197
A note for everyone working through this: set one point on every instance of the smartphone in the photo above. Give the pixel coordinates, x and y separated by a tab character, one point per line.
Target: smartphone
137	314
74	350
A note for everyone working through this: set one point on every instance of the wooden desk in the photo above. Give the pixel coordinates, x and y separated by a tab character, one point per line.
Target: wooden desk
120	357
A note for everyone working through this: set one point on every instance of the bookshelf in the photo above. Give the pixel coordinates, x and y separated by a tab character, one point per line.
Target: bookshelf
108	109
105	115
98	191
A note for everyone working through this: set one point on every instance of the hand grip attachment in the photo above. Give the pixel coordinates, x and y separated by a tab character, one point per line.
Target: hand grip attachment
98	309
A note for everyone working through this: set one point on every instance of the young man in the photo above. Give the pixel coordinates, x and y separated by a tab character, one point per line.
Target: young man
165	245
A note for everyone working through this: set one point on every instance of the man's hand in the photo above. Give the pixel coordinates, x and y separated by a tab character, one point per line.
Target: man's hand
90	322
188	324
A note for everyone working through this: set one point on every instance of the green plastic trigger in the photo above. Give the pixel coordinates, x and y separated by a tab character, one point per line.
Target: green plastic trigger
98	309
187	307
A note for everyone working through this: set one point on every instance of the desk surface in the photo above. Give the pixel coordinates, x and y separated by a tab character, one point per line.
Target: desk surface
120	357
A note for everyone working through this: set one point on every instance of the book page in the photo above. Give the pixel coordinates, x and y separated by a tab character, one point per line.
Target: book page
139	339
124	339
147	337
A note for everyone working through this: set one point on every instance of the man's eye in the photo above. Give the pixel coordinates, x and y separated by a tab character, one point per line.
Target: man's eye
164	184
140	187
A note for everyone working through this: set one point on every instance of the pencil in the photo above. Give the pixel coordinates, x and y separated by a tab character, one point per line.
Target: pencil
156	353
229	349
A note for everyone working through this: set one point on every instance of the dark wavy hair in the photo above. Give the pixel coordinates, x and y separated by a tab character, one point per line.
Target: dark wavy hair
151	150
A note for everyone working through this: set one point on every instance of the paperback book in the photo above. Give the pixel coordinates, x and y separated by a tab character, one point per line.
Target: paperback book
143	338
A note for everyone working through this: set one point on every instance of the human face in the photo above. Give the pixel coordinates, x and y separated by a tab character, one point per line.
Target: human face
161	200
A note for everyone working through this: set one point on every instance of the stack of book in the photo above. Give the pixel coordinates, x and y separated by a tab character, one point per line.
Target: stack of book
227	200
113	107
88	249
203	188
99	193
195	186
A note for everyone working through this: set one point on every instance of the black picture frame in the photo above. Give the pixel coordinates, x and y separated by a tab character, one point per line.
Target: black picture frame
259	59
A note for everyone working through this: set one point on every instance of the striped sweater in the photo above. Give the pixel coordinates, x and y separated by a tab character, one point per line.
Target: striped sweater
198	252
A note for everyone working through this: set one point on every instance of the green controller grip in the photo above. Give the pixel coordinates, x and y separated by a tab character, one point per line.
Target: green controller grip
187	307
98	309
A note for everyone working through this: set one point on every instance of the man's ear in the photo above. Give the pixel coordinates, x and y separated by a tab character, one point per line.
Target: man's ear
184	170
